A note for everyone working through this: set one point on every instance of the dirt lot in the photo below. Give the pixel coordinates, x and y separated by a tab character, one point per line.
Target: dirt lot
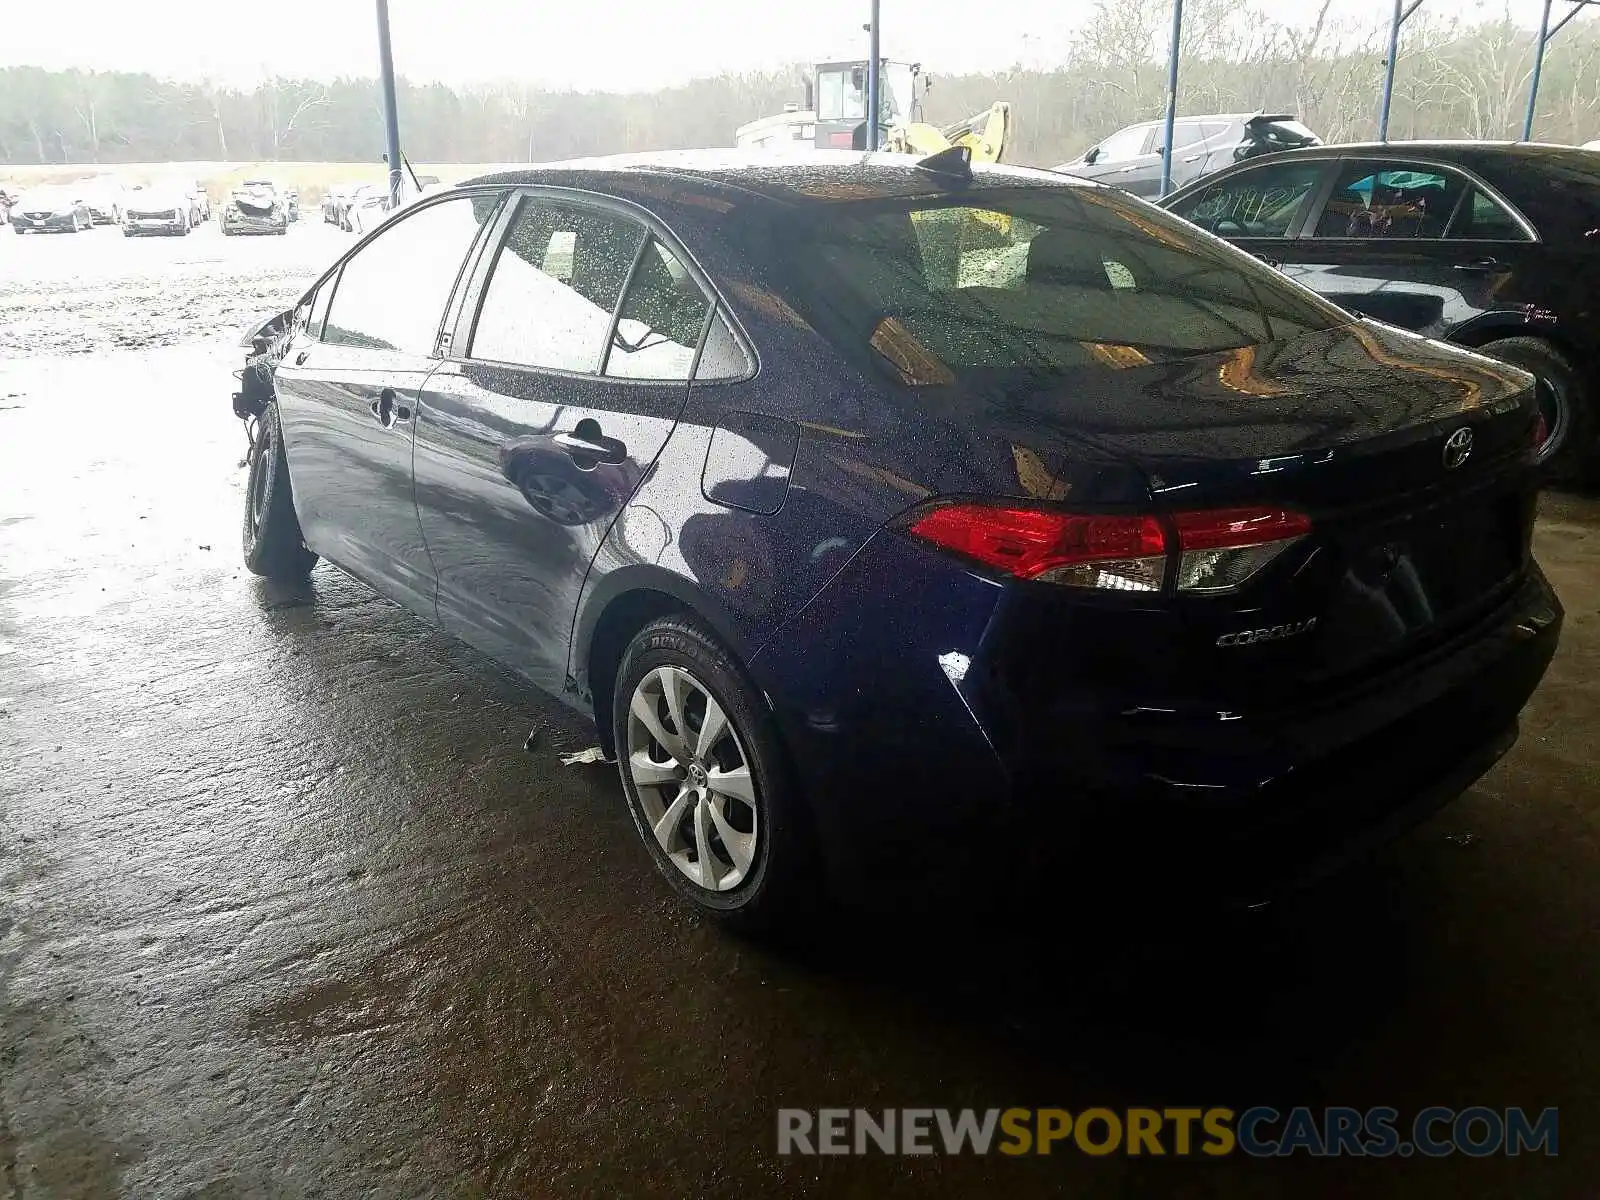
286	909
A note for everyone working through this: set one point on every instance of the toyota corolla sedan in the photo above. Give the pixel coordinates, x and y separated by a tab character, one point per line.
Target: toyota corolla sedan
877	508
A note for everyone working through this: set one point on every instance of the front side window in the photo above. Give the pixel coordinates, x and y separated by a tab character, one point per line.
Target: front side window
392	293
1265	202
842	94
318	312
1484	219
1393	203
1029	283
1123	145
554	286
661	320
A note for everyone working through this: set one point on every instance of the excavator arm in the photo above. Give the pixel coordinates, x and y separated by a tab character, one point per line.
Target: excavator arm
986	134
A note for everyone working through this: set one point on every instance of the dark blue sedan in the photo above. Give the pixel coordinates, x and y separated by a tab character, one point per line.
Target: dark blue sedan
879	508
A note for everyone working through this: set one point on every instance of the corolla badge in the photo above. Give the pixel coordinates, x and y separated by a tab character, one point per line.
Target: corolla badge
1272	633
1457	448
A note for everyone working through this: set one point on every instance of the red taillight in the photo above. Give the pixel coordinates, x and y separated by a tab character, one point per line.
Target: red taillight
1233	528
1215	550
1119	552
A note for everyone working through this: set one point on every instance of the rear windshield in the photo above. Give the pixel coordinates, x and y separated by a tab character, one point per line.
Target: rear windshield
1038	281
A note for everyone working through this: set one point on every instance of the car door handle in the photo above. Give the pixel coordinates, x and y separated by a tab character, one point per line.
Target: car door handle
299	359
587	444
1194	158
1482	265
388	409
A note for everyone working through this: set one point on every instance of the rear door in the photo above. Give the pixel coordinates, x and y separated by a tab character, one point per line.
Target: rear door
347	391
1417	245
572	360
1260	209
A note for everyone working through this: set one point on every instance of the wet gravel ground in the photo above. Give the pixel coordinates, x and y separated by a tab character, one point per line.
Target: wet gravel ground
286	910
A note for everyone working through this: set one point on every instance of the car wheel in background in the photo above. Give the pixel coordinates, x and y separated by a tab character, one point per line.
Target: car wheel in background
273	544
1569	452
707	781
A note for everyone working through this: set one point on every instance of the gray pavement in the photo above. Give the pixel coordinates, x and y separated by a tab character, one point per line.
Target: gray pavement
287	910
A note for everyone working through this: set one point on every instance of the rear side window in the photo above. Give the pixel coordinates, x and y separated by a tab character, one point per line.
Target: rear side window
1265	202
1034	282
554	286
1483	218
662	318
392	293
1396	203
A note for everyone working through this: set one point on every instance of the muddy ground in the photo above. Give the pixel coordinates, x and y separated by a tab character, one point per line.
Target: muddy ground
286	909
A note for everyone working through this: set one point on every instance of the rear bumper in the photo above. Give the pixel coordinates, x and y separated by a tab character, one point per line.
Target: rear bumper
921	771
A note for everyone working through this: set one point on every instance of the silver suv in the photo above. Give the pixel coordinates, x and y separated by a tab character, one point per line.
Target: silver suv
1131	158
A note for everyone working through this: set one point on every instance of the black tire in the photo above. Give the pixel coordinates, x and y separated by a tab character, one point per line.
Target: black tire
1572	453
783	884
273	544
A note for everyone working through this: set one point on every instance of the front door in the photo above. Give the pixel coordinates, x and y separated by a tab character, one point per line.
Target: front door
1414	245
570	377
347	396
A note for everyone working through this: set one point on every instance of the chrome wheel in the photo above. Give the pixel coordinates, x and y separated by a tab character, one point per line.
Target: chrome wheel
693	778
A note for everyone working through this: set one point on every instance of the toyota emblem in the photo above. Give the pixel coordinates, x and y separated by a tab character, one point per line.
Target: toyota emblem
1457	448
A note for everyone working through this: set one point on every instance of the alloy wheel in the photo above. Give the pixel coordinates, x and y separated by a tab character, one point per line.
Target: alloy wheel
693	778
266	461
1554	416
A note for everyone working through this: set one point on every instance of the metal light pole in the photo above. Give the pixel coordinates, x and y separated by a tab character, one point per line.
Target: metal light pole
1172	96
391	117
874	78
1388	72
1538	68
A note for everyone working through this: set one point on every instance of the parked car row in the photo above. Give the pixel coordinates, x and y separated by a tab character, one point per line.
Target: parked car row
172	207
890	516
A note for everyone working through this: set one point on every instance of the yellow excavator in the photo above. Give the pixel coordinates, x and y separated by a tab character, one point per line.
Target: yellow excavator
834	116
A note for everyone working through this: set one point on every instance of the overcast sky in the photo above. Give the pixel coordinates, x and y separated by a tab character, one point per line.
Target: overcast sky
603	44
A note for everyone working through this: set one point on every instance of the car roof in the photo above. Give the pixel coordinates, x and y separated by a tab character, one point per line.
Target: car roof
790	177
1464	150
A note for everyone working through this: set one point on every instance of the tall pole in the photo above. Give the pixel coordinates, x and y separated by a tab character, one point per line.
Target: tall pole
1172	95
391	116
1388	72
1538	67
874	78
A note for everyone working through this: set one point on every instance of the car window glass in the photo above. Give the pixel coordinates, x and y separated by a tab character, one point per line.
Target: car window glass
554	287
722	356
1212	129
1124	144
662	318
319	308
1392	204
1034	285
392	293
1484	219
1265	202
1183	134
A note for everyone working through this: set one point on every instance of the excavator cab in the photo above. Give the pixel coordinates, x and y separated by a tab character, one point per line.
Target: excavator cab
840	100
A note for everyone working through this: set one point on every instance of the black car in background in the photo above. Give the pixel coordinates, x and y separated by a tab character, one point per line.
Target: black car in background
1494	246
1131	158
50	209
879	510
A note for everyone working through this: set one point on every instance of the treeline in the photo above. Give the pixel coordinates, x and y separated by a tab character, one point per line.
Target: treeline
1454	80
